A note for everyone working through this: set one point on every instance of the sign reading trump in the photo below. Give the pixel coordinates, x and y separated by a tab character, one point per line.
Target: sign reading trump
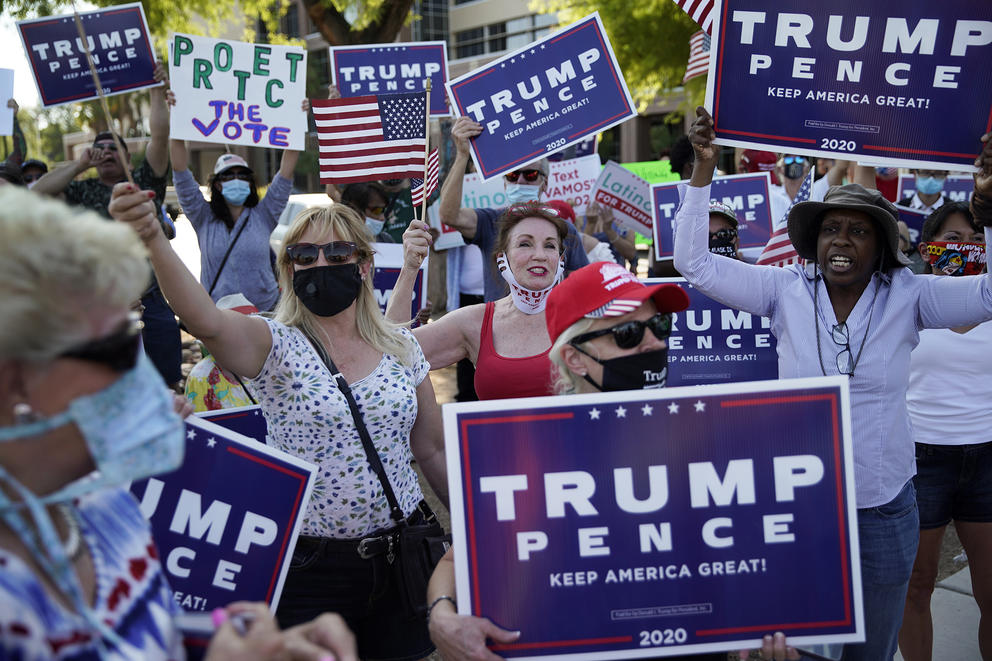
390	68
543	97
643	520
895	83
226	521
238	93
117	38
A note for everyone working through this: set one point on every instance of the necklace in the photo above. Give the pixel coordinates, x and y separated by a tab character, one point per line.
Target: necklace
73	541
816	325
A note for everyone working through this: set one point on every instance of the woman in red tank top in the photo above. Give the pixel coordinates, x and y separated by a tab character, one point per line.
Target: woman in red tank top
507	339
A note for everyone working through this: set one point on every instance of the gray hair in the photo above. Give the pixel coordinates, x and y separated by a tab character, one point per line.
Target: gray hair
566	381
57	267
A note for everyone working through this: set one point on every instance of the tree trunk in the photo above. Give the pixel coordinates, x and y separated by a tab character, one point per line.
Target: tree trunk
337	31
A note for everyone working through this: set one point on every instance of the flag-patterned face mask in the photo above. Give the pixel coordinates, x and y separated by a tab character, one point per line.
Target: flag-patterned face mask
528	301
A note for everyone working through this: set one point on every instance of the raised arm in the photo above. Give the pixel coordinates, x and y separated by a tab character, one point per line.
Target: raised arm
238	342
446	341
835	175
732	282
157	152
20	144
416	244
54	182
450	209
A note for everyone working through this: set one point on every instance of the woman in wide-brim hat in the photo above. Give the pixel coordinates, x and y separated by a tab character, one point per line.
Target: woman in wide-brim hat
851	309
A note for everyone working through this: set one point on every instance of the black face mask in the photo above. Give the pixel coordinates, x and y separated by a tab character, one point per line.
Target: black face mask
794	170
722	246
639	371
327	290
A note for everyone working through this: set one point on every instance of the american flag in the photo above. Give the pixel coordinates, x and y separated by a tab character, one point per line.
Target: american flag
417	184
699	56
364	138
700	11
779	250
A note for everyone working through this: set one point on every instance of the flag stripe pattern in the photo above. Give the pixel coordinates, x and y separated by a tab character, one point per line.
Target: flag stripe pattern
417	184
364	138
779	250
699	56
700	11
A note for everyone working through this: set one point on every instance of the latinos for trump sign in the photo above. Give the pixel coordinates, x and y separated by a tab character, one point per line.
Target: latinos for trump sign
227	520
388	262
543	97
238	93
894	83
748	194
956	187
713	343
628	195
364	70
634	525
117	38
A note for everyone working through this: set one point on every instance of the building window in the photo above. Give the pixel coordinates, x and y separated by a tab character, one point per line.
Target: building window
289	24
469	43
432	24
499	37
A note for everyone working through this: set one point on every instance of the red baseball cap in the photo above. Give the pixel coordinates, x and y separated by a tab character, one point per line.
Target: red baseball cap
564	209
605	289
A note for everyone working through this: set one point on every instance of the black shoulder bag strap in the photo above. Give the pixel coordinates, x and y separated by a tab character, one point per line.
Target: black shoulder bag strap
370	452
227	254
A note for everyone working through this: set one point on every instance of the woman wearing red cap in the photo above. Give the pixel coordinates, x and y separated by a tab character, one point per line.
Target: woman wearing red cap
609	332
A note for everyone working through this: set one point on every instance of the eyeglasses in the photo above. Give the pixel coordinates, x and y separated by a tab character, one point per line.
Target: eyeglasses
529	175
726	234
845	362
228	176
105	146
335	252
789	160
375	211
118	351
630	333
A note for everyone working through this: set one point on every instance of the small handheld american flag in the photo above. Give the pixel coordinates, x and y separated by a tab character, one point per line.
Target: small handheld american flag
417	184
779	250
699	56
700	11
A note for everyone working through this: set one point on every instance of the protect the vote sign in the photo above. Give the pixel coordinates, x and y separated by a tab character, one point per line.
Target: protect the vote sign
118	41
392	68
748	194
227	520
713	343
956	187
636	524
233	92
894	83
543	97
388	262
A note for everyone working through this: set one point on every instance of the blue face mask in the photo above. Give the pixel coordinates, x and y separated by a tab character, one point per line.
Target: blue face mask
375	226
235	191
517	193
131	432
929	185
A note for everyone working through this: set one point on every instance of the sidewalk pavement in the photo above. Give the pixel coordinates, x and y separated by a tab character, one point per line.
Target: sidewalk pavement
955	620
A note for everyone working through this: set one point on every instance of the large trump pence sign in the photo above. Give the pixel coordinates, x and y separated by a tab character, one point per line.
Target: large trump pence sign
635	525
897	83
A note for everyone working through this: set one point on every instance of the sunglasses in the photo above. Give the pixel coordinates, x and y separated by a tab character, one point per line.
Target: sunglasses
229	176
789	160
840	336
630	333
375	211
726	234
530	176
335	252
118	351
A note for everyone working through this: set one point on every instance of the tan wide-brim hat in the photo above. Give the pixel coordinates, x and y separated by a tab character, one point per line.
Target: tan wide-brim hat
805	217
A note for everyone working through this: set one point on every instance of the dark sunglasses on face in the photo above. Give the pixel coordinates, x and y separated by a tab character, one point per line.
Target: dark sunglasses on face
118	351
789	160
726	234
229	176
335	252
530	176
630	333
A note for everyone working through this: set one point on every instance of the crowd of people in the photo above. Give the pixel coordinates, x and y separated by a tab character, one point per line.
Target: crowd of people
91	345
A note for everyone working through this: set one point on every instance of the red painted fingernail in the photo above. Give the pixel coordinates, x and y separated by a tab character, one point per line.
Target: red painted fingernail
218	616
151	194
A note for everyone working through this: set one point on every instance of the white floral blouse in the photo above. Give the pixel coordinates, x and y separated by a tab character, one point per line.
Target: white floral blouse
308	416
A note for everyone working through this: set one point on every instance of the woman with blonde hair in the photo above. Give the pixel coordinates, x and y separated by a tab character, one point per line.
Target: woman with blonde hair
327	325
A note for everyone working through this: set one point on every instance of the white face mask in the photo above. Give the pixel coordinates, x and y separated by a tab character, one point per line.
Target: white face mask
375	226
528	301
518	193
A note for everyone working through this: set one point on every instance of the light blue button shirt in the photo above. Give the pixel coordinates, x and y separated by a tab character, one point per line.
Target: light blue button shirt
884	459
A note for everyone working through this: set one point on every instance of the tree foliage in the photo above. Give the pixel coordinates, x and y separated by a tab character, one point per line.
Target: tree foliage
650	39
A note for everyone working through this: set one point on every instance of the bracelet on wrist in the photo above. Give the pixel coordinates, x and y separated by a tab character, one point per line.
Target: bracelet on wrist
443	597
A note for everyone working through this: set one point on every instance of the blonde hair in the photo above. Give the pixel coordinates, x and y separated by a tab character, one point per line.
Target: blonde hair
56	266
373	327
567	381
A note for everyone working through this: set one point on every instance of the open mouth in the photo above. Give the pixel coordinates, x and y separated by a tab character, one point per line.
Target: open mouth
538	270
840	262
